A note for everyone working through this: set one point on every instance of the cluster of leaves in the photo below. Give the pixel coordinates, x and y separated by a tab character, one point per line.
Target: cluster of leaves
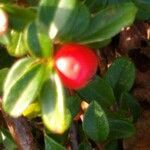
112	109
33	88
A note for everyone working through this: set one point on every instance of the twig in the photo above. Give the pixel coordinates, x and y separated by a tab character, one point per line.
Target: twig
73	137
100	146
20	131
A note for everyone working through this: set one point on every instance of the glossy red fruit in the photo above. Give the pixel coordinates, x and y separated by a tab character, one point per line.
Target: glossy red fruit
3	22
76	64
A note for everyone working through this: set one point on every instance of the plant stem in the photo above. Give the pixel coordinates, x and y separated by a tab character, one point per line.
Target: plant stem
73	137
20	131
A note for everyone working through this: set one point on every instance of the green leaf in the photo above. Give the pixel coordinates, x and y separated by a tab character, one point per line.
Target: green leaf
121	75
5	39
53	15
143	9
22	85
100	44
19	17
76	24
95	123
7	1
73	104
112	145
85	146
114	2
55	115
3	73
99	91
109	22
50	144
143	15
95	5
120	128
16	45
143	4
7	140
38	41
129	103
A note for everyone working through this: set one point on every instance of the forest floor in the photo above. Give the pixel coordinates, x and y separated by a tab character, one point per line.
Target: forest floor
134	42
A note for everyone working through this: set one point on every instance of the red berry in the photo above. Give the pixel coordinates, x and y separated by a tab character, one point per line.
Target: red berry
76	64
3	22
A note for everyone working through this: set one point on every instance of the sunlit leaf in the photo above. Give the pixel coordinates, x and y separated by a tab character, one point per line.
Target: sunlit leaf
22	85
53	15
38	42
108	22
17	45
56	116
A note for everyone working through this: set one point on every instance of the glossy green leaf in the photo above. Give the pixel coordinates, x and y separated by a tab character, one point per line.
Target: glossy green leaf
22	85
17	45
76	24
7	140
121	75
143	9
143	4
39	43
50	144
3	73
73	104
109	22
95	123
129	103
143	15
95	5
19	17
55	115
120	128
100	44
99	91
46	12
53	15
